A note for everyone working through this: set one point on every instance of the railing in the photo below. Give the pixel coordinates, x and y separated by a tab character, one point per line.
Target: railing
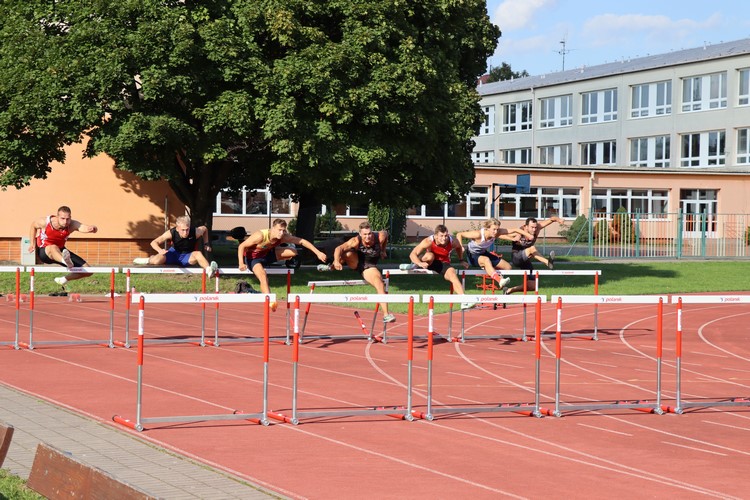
667	235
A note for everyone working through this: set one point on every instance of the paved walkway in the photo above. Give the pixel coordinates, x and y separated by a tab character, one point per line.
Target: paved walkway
157	471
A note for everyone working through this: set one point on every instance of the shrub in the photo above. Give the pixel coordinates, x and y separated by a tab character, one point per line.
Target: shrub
578	232
391	219
323	224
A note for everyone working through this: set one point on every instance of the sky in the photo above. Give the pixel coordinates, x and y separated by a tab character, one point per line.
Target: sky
598	32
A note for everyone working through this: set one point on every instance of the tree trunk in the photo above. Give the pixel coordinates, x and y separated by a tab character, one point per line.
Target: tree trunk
309	206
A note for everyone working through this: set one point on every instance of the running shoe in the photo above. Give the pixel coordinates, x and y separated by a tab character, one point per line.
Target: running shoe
468	305
323	267
141	261
212	269
61	280
503	282
407	267
66	258
551	260
389	318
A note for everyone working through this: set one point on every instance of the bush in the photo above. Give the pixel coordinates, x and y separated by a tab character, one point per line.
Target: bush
323	224
578	231
747	236
391	219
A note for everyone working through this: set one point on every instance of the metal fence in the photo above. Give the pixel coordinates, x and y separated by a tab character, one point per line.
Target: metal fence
666	235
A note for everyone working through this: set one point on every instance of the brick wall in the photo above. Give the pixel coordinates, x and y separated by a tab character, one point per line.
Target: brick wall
97	252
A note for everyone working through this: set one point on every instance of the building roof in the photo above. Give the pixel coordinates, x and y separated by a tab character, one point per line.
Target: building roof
704	53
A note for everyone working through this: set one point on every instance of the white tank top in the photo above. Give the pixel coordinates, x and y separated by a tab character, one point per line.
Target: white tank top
482	246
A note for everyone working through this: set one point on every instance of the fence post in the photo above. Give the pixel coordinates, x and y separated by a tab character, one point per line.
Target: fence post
680	221
637	234
704	228
591	231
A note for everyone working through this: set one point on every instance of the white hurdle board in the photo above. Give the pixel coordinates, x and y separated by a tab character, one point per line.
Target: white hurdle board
11	269
201	298
269	270
353	298
484	299
62	269
163	270
610	299
711	299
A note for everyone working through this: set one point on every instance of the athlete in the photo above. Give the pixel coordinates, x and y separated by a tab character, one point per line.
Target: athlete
261	249
524	249
50	234
183	250
478	250
362	253
434	254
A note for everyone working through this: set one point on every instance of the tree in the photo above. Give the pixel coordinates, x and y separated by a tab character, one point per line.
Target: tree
324	100
503	72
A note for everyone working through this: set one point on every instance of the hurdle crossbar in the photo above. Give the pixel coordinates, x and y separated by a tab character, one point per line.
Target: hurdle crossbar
164	298
32	305
641	405
532	409
679	300
399	412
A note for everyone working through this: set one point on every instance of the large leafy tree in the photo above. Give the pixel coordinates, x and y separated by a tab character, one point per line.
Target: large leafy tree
326	100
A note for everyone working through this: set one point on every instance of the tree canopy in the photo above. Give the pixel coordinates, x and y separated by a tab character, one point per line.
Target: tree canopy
504	72
325	100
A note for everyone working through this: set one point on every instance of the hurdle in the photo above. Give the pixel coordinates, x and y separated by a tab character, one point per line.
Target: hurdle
130	293
680	404
269	271
401	413
198	298
659	300
369	335
537	275
32	301
17	302
532	409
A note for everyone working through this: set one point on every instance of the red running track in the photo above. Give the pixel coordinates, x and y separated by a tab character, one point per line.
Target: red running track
704	452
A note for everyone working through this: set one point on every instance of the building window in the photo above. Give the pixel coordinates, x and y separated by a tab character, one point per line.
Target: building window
556	112
517	156
744	87
598	153
251	202
599	106
650	151
743	146
653	203
703	149
483	157
541	203
474	206
556	155
488	126
517	116
651	99
704	92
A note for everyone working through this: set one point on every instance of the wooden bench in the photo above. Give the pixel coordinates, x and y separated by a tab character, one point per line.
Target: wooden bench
6	434
56	475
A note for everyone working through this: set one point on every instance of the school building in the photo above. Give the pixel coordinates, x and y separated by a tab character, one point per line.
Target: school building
665	138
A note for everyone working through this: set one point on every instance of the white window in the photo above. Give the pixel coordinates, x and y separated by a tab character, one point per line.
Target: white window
517	116
483	157
599	106
650	151
556	155
703	149
744	87
541	203
488	127
474	205
556	112
653	203
651	99
252	202
743	146
598	153
704	92
517	156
